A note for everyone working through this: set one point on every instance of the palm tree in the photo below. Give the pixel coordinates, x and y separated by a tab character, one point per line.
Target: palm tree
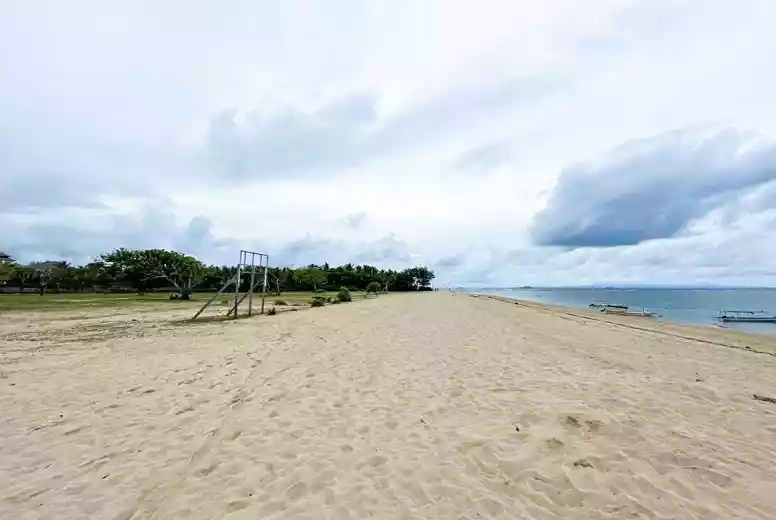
7	268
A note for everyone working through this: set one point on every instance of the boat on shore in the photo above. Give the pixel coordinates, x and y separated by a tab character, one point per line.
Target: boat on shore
745	317
607	306
638	314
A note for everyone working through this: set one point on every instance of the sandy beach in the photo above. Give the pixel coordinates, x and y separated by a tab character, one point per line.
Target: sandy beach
424	406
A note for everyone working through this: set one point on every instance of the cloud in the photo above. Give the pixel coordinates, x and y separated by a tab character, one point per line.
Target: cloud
470	104
33	191
278	140
387	251
40	172
88	233
355	220
281	139
483	159
736	257
652	188
448	262
80	240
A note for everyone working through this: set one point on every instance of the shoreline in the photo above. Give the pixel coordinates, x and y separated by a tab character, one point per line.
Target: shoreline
692	316
748	341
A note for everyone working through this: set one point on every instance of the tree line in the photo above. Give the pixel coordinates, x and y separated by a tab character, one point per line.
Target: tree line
159	269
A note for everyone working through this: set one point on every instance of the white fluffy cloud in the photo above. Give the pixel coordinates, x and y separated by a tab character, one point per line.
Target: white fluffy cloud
502	142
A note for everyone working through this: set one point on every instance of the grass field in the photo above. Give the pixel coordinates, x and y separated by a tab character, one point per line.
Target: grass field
52	302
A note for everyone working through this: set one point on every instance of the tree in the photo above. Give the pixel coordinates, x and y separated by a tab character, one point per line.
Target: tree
6	273
414	279
49	271
58	272
22	274
124	266
78	278
141	267
310	277
150	269
95	274
7	268
91	275
182	271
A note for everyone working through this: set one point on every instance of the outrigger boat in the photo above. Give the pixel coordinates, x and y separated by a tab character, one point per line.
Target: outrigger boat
639	314
746	317
607	306
621	310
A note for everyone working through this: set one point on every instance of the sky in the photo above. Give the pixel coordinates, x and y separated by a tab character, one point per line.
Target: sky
500	142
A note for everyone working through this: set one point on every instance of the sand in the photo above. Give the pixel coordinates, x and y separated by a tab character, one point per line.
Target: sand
411	406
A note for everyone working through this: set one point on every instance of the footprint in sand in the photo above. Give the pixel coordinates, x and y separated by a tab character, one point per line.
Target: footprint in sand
554	444
583	463
296	491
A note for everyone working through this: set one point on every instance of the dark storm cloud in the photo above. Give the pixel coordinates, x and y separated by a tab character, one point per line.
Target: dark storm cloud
651	188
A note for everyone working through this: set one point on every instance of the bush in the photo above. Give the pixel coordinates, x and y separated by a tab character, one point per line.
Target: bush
280	302
373	287
317	302
329	299
272	312
344	295
334	301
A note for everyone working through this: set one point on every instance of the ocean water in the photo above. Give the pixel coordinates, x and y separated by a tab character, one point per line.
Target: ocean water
692	306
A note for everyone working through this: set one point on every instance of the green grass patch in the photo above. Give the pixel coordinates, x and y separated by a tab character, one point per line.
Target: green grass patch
69	301
82	301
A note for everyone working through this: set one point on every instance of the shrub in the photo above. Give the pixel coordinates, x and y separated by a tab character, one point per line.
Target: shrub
317	302
344	295
373	287
334	301
329	299
272	312
280	302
